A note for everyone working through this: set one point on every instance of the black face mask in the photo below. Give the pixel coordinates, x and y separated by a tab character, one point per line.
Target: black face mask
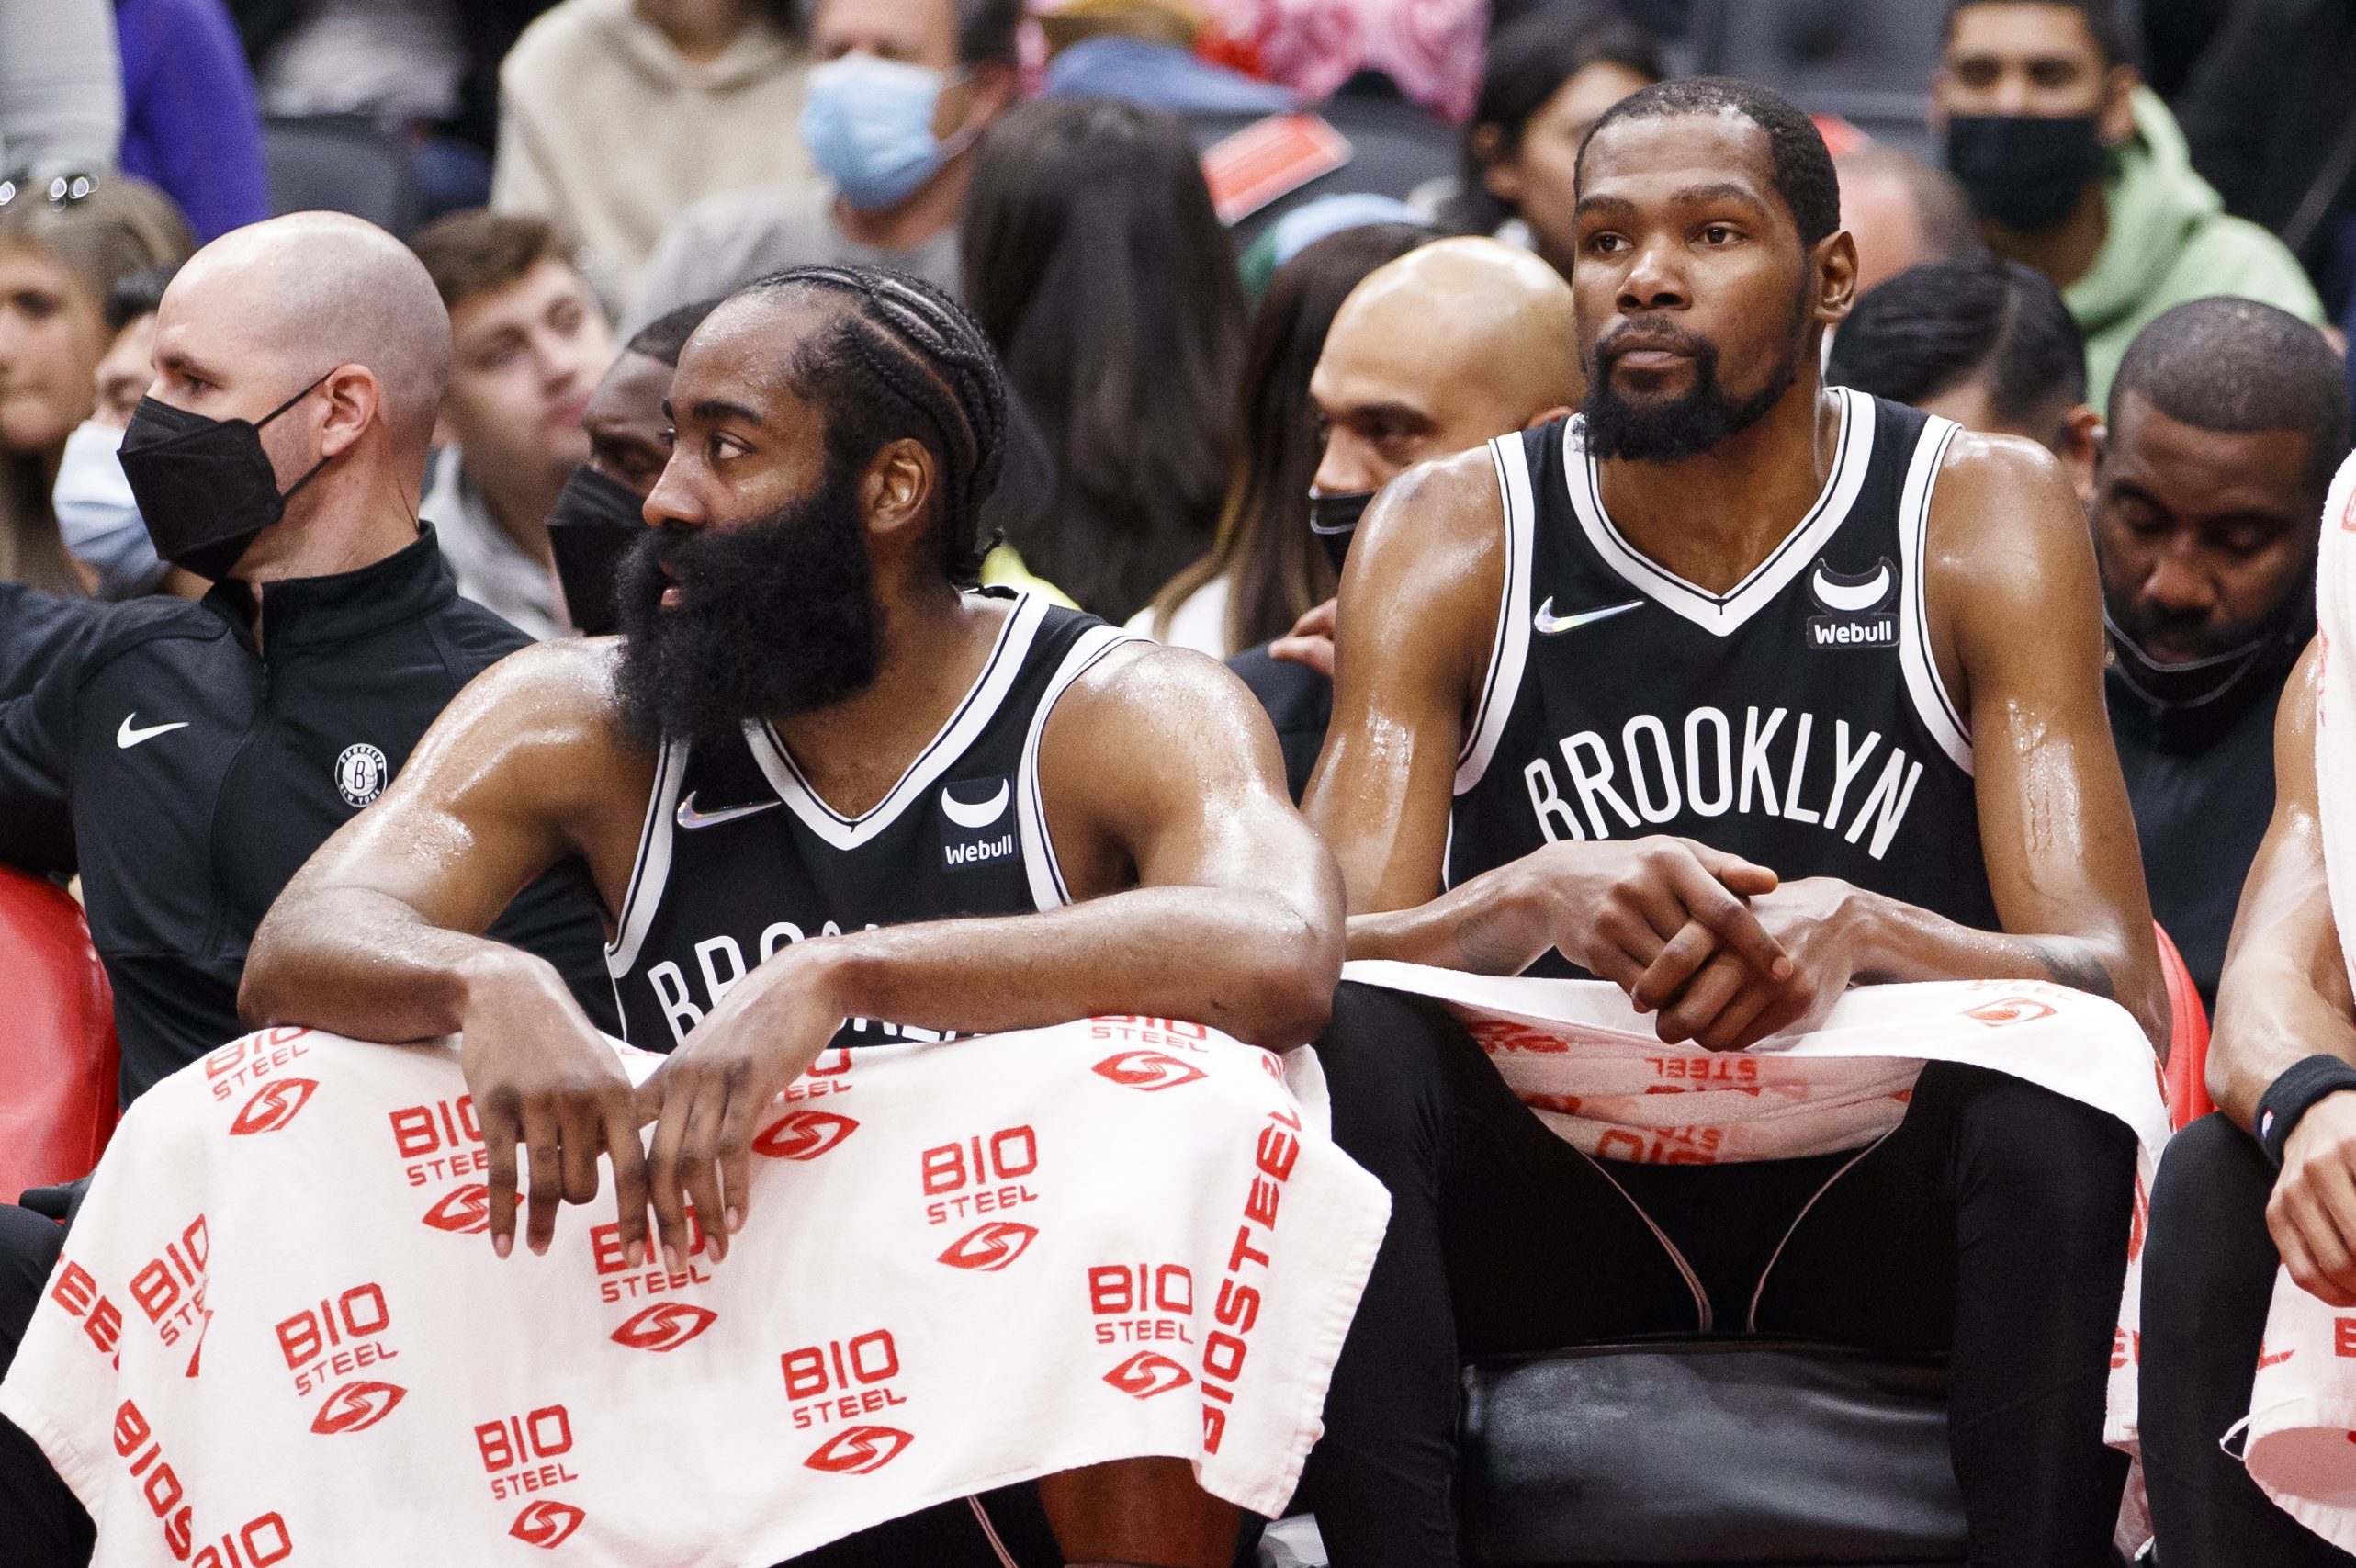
2027	171
204	487
596	521
1333	517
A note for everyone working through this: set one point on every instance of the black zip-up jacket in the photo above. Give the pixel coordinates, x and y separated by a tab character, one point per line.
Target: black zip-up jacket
188	772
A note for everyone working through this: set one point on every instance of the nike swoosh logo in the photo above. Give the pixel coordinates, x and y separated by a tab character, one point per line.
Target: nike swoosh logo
1547	624
691	818
131	735
1852	600
973	817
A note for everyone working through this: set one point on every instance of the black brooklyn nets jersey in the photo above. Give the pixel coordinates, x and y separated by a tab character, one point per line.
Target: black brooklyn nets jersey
739	857
1797	721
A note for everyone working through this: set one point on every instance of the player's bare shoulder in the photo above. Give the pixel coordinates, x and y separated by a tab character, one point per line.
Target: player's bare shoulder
2001	502
1143	706
1438	526
547	718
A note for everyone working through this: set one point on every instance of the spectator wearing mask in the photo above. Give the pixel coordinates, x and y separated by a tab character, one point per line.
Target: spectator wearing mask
1266	569
1391	393
2225	423
904	91
601	511
2076	168
528	342
190	122
1987	344
1902	213
97	513
1549	77
1095	264
58	258
618	115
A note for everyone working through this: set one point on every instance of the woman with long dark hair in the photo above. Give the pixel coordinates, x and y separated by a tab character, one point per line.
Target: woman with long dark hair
1551	76
1095	262
62	248
1266	569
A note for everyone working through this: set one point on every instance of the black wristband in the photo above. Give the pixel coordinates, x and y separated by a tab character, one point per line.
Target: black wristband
2290	1096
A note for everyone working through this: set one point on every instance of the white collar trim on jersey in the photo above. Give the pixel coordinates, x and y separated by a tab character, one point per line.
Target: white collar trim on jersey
955	739
1724	615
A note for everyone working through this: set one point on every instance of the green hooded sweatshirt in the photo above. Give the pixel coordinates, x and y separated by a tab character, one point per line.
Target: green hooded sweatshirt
2170	239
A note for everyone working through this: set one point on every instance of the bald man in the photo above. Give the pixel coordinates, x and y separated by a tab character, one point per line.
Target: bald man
192	754
1454	344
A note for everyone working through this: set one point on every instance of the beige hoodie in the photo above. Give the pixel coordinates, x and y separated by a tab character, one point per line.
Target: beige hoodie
608	130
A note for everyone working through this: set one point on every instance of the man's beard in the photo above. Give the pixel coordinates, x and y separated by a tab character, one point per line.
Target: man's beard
777	617
1688	425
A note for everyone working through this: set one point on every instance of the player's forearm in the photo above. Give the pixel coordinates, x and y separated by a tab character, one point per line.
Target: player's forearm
1252	965
1901	941
364	963
2270	1015
1491	925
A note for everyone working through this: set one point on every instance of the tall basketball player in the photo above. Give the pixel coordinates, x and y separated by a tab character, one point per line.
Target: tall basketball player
1735	690
821	784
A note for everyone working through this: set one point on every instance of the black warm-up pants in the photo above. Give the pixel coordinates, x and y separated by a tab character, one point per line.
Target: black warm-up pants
1991	1226
2208	1278
40	1520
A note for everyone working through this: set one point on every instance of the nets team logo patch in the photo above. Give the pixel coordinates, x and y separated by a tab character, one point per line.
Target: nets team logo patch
1857	609
360	772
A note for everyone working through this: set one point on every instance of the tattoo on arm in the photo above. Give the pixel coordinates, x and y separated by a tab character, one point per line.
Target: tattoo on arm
1485	943
2065	965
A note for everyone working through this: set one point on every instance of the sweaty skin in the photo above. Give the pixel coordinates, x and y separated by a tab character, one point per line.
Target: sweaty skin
1200	894
2283	998
1680	226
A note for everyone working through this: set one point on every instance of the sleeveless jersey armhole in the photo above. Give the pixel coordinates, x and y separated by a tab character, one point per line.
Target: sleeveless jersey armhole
1039	862
651	870
1509	644
1927	692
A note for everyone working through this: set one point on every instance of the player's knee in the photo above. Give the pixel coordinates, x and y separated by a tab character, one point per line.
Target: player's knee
2057	1164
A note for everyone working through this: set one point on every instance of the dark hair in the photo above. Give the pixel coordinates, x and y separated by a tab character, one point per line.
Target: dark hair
667	335
2101	16
1096	264
137	294
1528	64
988	32
1274	446
2237	366
901	361
477	250
1935	327
1801	168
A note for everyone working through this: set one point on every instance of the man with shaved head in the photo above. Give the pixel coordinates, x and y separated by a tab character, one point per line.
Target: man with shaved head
191	755
1393	392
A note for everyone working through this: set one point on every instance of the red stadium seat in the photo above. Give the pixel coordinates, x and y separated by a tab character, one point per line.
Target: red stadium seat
2188	1054
57	1040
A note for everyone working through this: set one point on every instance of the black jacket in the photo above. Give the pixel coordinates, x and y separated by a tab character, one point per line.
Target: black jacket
197	772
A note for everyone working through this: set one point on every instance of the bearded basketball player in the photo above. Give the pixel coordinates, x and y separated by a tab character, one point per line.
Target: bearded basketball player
822	783
1735	690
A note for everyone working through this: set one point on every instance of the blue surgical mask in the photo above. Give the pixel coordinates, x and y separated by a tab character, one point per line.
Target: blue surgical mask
97	516
868	124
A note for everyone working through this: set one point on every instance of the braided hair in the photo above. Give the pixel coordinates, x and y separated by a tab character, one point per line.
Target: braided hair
903	360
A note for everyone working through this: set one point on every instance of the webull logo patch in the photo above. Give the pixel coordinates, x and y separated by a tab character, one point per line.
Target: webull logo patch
1855	615
971	814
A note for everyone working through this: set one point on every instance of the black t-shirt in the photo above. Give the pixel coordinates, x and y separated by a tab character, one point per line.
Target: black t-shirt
199	771
2200	781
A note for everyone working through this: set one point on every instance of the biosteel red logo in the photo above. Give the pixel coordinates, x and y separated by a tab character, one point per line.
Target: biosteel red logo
1148	1071
803	1134
1147	1374
666	1325
356	1406
2009	1010
546	1523
274	1105
990	1248
855	1450
464	1211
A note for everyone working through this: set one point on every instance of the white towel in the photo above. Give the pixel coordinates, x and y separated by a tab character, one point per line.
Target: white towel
1589	1064
2301	1439
278	1334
